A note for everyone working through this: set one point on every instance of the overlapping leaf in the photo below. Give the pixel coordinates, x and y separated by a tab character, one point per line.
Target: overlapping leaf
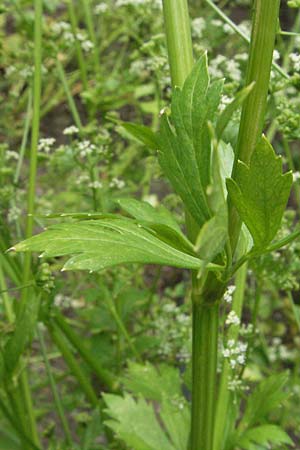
96	244
160	220
184	142
260	193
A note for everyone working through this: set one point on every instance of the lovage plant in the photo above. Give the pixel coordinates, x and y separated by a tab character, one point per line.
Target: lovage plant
233	199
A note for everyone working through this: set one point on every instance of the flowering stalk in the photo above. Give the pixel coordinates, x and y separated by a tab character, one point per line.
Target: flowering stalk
224	394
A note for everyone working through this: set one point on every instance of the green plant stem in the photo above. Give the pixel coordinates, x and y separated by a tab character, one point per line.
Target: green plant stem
7	301
71	102
73	365
205	313
240	33
205	351
79	53
104	376
113	310
24	138
28	292
27	443
179	41
264	28
224	395
90	26
57	400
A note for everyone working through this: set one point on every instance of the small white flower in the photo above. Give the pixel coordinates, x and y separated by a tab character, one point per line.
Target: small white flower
228	294
226	353
232	319
10	154
233	363
151	199
231	343
10	70
296	176
45	144
95	185
68	37
295	59
117	183
276	55
59	27
80	36
101	8
87	45
70	130
241	359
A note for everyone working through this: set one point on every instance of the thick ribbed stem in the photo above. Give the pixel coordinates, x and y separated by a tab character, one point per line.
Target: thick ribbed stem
205	314
265	18
205	351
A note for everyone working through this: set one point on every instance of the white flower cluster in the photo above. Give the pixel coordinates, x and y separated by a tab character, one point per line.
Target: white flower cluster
82	179
235	352
277	351
100	8
13	214
296	176
246	330
221	66
45	144
225	100
63	301
63	29
69	131
232	319
86	148
117	183
236	384
229	293
95	184
10	154
173	327
153	3
295	60
198	26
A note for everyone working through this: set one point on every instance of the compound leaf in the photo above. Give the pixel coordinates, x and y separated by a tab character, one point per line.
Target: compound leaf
160	220
264	435
265	398
96	244
153	383
135	423
184	141
260	193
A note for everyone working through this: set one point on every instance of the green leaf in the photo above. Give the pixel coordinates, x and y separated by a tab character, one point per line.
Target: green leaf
260	193
160	221
222	162
213	235
135	423
23	333
265	435
153	383
226	115
184	143
141	133
265	398
96	244
175	414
